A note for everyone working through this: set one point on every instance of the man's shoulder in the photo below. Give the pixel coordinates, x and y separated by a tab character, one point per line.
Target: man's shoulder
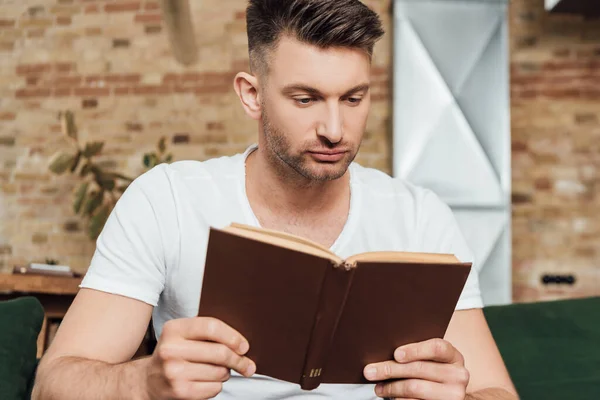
215	168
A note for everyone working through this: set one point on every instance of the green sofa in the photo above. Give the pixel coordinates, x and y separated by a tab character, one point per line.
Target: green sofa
551	349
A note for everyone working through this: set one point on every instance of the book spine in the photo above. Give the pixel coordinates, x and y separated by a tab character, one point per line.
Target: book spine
332	298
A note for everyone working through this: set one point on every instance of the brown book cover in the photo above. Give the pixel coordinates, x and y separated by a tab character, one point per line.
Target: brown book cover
313	318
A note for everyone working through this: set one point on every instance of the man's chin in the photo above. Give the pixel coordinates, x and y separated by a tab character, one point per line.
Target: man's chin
325	172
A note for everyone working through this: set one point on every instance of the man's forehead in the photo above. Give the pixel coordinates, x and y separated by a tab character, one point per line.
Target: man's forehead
328	70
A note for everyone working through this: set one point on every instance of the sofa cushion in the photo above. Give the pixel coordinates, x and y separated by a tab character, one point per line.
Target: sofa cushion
551	349
20	321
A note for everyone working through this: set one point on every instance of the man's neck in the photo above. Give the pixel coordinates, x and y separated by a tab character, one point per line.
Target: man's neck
287	194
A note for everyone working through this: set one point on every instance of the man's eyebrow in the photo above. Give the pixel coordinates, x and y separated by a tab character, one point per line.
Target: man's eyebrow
298	87
359	88
289	89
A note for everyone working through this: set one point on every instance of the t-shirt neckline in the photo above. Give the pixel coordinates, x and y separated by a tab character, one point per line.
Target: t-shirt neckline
351	221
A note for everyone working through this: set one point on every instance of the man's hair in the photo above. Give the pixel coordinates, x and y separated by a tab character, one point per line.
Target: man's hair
322	23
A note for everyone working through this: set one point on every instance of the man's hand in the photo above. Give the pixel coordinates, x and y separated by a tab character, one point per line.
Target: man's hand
193	358
430	370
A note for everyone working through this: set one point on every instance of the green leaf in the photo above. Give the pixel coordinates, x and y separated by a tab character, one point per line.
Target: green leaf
169	158
61	162
162	145
92	149
80	197
97	222
85	170
105	181
76	162
68	124
93	202
147	160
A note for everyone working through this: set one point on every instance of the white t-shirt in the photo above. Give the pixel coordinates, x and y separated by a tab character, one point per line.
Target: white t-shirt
153	245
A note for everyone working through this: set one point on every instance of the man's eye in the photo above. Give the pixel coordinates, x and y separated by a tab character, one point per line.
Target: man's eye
304	101
353	100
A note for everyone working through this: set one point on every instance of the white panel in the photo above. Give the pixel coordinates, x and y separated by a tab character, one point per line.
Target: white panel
418	84
452	121
550	4
469	24
488	114
454	166
487	233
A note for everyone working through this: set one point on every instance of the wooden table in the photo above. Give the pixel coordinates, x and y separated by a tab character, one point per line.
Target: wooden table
55	293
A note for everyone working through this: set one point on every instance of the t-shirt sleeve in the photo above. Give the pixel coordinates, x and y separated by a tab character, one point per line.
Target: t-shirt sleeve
441	231
131	254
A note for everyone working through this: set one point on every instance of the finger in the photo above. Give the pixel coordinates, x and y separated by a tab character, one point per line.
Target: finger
209	329
206	353
187	371
438	350
420	389
426	370
195	390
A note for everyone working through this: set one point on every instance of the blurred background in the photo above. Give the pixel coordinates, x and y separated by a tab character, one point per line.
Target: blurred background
495	105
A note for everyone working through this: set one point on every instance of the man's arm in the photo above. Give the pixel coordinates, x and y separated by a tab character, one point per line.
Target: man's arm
469	333
465	365
87	358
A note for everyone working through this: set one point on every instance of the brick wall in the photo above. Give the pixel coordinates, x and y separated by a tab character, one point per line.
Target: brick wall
555	79
109	61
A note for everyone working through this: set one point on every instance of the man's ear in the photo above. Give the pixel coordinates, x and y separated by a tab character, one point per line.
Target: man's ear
246	87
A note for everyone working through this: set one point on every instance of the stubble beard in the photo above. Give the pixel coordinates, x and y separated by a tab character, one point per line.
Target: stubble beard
280	154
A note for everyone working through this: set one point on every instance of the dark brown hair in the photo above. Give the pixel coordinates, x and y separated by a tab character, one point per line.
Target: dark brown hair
322	23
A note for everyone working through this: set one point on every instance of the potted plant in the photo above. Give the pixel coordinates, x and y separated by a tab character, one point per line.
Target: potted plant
100	188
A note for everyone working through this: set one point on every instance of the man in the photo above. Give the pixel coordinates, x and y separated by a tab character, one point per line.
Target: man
309	91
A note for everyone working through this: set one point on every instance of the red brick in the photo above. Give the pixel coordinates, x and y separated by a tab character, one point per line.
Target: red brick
205	89
170	78
36	33
89	91
152	29
121	91
183	89
7	46
7	23
151	5
121	7
560	93
91	9
190	77
134	126
543	184
211	126
148	18
519	146
62	92
151	89
28	69
124	78
93	78
63	20
64	67
89	103
7	116
93	31
32	80
39	92
68	80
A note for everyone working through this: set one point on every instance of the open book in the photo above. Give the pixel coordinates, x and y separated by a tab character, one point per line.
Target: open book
312	317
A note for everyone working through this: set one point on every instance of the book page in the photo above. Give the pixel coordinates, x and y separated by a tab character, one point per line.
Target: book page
283	239
400	256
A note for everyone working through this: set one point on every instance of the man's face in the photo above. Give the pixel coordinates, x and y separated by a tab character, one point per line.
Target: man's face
315	104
